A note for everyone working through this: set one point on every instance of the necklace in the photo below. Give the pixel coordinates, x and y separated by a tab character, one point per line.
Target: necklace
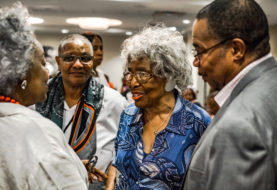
8	99
156	130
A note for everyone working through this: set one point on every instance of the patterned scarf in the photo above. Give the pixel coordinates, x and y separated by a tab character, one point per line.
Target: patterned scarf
83	137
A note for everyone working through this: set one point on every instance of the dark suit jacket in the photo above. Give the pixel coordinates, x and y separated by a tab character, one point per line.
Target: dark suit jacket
238	151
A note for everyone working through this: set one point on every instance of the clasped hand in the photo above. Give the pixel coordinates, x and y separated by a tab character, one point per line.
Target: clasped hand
94	173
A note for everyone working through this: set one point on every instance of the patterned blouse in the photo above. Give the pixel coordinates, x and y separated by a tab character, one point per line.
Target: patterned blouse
166	165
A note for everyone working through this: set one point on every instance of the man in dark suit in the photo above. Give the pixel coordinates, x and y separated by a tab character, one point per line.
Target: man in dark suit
238	151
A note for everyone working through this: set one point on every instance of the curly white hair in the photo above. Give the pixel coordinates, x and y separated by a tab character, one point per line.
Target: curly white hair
16	47
166	50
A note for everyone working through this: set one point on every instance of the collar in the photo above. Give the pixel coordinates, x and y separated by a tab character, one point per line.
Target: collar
225	92
138	115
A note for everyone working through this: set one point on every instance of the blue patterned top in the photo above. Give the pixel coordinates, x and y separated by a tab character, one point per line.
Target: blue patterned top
165	166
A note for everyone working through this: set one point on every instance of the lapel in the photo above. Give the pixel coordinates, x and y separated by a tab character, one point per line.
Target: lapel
252	75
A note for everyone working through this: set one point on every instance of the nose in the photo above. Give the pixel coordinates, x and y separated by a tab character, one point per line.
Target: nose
133	83
99	51
77	63
196	62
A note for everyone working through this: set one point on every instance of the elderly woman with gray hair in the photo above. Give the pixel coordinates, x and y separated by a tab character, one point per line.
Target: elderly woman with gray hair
157	134
33	151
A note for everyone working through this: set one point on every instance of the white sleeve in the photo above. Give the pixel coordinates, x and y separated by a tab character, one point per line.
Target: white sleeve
107	125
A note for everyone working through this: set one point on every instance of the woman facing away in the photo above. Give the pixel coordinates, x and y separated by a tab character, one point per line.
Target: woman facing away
34	154
157	134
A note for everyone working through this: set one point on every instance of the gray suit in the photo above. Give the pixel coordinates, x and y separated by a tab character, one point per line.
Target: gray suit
238	151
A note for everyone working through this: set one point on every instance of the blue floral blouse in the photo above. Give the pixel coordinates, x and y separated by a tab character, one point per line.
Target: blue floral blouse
165	166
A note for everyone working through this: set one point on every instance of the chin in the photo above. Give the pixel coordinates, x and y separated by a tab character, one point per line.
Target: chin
138	104
78	83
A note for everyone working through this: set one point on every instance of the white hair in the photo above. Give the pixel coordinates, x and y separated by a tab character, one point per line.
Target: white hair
16	47
74	38
166	51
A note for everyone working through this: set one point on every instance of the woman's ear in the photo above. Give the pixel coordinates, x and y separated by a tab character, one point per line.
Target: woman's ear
238	49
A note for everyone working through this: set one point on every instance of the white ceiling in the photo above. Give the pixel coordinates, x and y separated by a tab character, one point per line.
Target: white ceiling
133	13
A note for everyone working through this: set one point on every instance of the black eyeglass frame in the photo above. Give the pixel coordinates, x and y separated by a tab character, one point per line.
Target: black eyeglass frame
75	59
199	54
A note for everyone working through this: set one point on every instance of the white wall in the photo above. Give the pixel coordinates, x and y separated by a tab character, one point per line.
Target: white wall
111	65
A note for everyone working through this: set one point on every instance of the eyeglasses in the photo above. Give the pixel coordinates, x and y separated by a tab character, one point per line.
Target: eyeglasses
85	59
141	76
199	54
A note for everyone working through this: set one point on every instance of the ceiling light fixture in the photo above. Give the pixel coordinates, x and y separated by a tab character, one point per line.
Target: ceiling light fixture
129	33
34	20
186	21
115	30
64	31
94	23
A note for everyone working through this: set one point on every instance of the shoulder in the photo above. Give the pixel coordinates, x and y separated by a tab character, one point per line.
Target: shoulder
37	133
110	93
41	126
113	97
189	117
191	109
130	116
131	110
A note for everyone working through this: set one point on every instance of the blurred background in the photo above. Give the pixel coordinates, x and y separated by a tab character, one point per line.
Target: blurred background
116	20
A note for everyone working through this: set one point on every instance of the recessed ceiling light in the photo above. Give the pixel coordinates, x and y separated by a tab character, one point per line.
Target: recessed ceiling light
186	21
115	30
129	33
34	20
64	31
94	23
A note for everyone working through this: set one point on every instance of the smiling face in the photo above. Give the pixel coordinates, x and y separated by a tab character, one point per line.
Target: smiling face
149	93
97	51
75	74
216	65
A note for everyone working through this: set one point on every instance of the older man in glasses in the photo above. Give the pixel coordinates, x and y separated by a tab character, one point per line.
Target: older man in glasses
239	149
86	111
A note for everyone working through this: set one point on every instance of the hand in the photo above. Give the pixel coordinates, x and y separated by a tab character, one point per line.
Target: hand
95	173
110	184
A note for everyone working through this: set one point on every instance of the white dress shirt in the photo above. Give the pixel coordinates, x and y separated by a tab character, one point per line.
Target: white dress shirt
225	92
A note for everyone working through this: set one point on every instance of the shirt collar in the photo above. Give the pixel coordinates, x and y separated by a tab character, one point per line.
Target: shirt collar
138	123
225	92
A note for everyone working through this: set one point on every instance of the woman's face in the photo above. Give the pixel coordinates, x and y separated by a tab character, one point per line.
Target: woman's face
75	73
148	93
37	78
188	94
97	51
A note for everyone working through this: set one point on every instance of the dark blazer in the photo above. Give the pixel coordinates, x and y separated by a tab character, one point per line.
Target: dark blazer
238	151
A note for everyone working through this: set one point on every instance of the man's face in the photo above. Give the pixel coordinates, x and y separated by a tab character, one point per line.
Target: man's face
77	72
215	65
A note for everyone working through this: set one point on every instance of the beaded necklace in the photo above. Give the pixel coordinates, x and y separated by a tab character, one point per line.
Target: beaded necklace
8	99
